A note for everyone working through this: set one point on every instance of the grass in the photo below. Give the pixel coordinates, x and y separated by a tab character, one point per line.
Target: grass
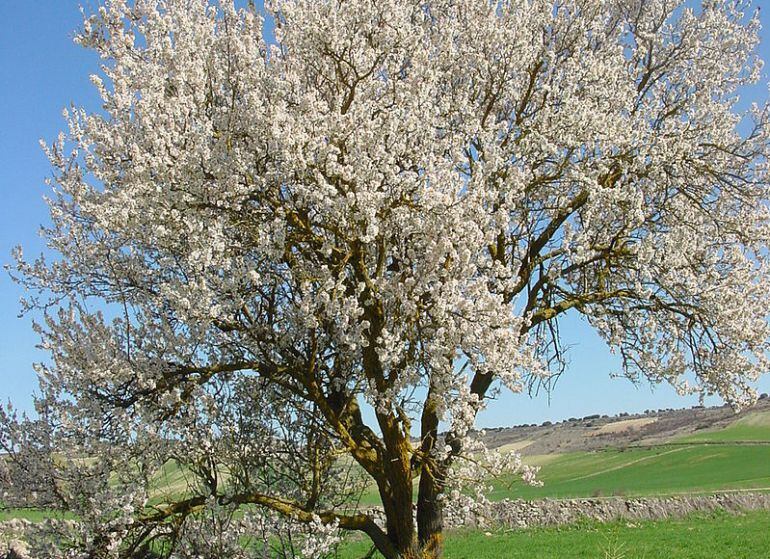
742	536
679	468
733	462
33	515
170	482
689	465
698	537
753	427
661	470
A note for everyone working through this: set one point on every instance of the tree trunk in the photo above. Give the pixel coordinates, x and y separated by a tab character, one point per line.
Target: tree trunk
407	541
430	515
400	524
395	487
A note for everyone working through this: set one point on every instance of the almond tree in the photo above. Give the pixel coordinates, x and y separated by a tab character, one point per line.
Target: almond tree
274	259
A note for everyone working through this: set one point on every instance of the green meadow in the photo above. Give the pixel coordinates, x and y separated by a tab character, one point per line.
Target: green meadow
714	536
736	457
696	468
661	470
753	427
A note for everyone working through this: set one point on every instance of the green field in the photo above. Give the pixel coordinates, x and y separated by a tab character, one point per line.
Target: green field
732	458
753	427
33	515
653	471
697	537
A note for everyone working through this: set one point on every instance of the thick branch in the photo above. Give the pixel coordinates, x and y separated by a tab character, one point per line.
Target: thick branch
291	509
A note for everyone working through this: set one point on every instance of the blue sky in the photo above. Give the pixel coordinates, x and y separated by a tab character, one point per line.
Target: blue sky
42	71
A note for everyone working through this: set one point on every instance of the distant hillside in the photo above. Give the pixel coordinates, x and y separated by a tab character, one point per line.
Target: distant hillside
655	427
664	452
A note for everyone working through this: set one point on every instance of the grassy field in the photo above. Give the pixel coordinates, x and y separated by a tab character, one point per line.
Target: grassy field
695	467
731	458
32	515
697	537
754	427
652	471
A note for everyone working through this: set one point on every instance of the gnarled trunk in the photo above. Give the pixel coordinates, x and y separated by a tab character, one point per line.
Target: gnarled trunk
422	539
399	523
410	537
430	514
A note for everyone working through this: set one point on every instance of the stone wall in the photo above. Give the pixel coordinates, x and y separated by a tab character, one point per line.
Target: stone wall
554	512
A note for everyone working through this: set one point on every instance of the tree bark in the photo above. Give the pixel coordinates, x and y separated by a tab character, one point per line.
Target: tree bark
407	540
430	514
399	523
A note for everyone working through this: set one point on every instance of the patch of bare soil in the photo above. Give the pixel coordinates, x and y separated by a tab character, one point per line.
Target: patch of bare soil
625	425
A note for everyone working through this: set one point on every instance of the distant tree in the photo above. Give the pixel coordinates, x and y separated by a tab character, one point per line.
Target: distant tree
275	261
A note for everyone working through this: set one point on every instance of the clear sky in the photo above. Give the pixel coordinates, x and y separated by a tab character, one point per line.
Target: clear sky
42	71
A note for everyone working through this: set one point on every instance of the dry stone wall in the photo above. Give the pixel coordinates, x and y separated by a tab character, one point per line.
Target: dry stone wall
554	512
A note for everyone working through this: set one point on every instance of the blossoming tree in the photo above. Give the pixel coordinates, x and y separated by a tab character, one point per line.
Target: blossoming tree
277	261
